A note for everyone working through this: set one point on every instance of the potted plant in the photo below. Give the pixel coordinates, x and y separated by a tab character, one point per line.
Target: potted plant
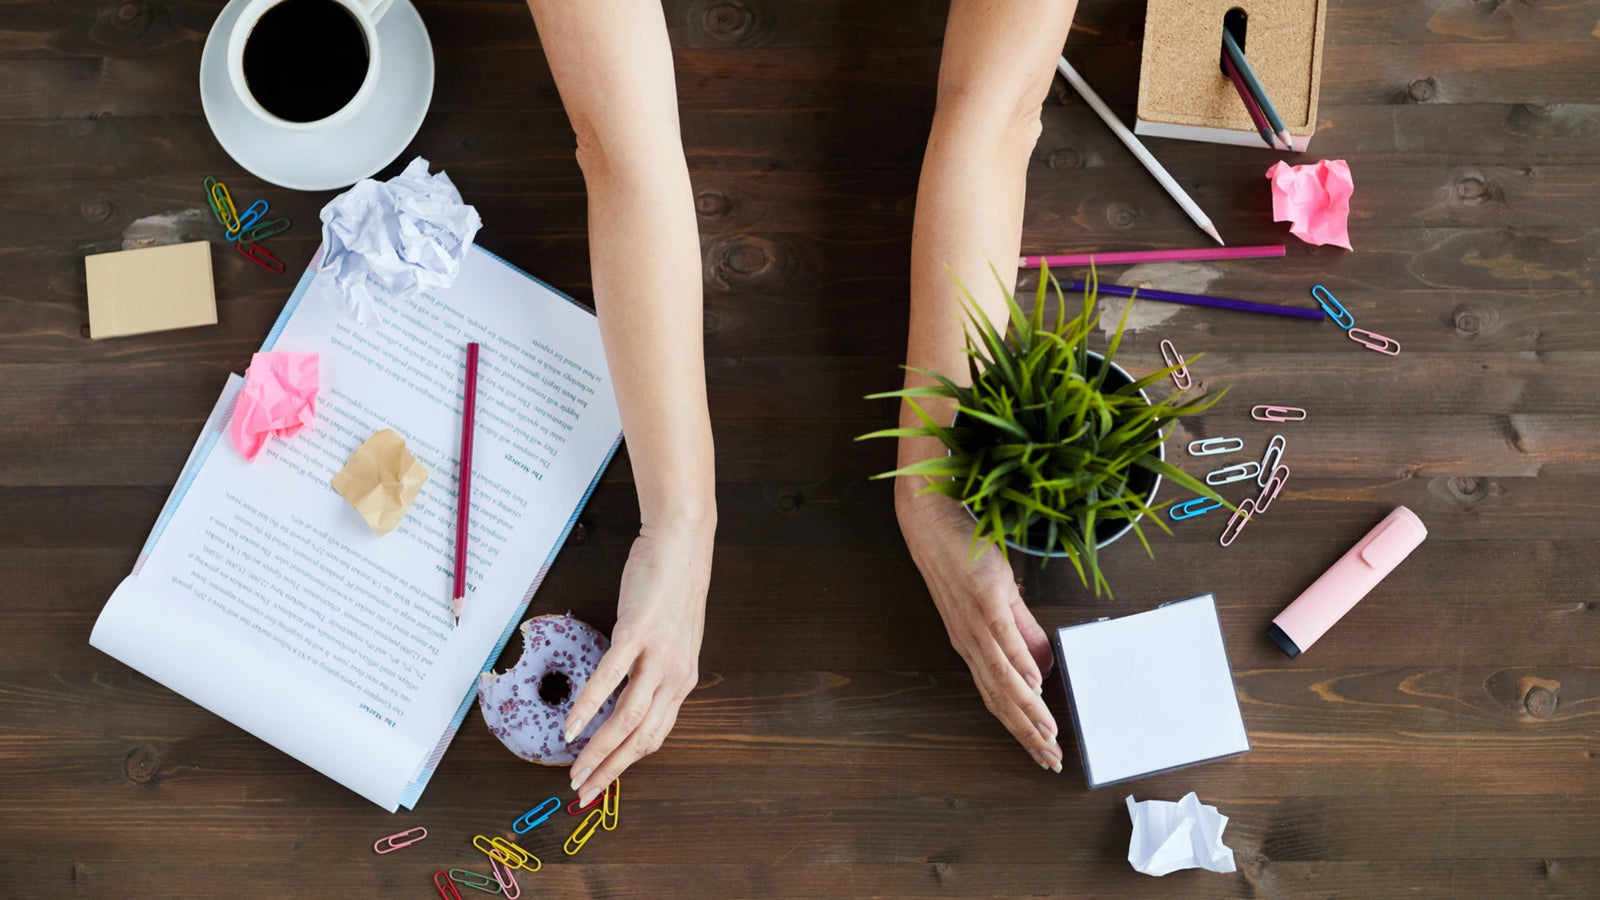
1055	450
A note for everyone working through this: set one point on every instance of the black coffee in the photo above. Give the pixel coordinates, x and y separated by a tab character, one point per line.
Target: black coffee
305	59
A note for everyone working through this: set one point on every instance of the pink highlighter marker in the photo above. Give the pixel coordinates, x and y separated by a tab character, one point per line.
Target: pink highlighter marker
1341	587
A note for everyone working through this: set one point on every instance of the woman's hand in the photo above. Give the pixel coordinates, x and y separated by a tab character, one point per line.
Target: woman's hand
983	611
656	645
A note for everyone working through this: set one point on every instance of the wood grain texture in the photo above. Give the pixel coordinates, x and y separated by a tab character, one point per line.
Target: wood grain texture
1441	742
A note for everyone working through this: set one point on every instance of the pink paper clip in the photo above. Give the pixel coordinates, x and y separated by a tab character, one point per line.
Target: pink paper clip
1237	523
1180	376
1270	492
447	888
508	882
1278	414
1271	459
261	256
404	839
1374	341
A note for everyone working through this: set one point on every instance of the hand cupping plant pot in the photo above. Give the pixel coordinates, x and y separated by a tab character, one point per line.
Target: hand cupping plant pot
1055	450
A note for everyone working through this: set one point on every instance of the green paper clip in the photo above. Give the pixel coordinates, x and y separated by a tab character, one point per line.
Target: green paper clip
475	880
272	226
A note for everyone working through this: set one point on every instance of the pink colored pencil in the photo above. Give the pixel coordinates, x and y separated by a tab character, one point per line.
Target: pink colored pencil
469	411
1127	257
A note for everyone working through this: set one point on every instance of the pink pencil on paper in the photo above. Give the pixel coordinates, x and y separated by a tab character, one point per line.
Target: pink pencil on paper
1128	257
469	408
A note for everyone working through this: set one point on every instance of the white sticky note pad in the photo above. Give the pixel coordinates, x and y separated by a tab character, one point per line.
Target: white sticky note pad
1152	691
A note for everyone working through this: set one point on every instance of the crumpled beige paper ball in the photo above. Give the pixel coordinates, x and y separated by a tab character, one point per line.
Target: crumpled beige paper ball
380	480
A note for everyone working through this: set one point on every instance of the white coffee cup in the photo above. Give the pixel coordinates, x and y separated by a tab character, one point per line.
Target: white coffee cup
367	13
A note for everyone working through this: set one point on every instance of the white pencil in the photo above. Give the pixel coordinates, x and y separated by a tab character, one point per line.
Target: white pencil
1150	162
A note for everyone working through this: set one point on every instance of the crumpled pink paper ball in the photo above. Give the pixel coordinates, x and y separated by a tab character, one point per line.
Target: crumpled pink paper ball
278	399
1314	200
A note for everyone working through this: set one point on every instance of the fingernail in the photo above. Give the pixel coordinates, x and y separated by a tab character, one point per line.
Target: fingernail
1056	767
1038	757
1038	689
586	796
579	776
573	730
1044	730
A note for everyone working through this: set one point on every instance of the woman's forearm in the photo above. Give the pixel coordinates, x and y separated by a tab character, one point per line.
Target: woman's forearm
999	57
613	66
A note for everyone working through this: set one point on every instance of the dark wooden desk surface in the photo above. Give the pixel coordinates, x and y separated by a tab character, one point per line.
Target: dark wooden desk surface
1441	743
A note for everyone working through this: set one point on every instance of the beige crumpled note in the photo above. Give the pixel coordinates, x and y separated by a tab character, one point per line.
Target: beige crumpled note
380	480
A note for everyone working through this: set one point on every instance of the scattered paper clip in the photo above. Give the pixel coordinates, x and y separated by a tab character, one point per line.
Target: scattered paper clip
611	806
1190	509
475	880
1236	524
574	809
584	831
1278	414
1215	446
261	256
1269	492
211	200
1229	474
1180	375
447	888
1374	341
507	853
222	205
1331	305
404	839
1271	458
247	219
507	881
266	229
536	816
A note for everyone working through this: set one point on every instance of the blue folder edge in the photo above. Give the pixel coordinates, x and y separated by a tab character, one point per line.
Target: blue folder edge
413	791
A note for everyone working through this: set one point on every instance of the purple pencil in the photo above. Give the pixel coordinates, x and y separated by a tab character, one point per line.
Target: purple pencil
1293	312
1125	257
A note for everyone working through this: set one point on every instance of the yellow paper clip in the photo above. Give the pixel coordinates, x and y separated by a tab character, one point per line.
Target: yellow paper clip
584	831
611	805
225	208
506	853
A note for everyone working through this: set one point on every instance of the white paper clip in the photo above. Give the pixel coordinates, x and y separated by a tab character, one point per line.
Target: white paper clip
1180	375
1331	305
1269	492
1374	341
1278	414
1215	446
1236	524
1242	472
1271	459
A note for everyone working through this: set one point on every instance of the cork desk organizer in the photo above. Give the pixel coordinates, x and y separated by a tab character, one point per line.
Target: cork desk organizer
1184	91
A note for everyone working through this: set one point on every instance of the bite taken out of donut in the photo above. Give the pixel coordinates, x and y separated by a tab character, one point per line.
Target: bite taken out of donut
526	706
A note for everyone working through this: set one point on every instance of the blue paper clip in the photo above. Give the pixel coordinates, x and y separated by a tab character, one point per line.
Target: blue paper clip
1331	305
248	218
1190	509
535	817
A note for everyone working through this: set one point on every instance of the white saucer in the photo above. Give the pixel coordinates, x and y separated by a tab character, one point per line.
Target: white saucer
325	158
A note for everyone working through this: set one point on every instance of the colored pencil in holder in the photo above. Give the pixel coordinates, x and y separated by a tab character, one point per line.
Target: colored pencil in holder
1248	73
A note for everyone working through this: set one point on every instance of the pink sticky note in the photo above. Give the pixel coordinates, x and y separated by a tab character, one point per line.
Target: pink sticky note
279	398
1314	199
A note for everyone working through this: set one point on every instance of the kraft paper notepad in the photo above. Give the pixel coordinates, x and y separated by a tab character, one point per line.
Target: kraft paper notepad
150	289
1152	691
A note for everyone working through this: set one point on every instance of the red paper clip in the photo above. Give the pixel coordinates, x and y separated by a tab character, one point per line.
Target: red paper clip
403	839
261	256
574	809
447	888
